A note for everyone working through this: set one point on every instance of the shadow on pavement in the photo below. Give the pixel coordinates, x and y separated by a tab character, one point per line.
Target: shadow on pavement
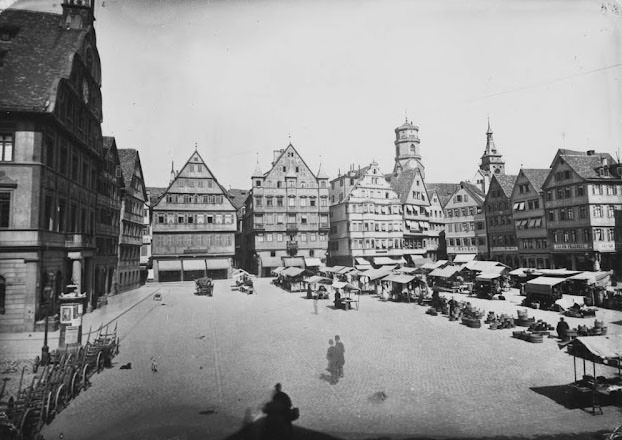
567	396
254	431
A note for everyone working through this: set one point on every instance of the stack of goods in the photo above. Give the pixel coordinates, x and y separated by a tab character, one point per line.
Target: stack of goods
431	311
471	317
598	329
523	319
580	311
541	328
528	336
499	322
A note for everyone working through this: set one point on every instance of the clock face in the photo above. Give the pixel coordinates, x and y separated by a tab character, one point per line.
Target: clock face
85	91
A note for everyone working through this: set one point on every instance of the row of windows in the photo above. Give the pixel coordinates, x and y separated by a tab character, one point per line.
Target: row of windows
465	226
291	183
570	213
192	218
196	241
195	182
459	198
371	208
301	236
496	220
129	253
527	205
418	243
205	199
529	223
570	191
132	229
457	212
280	219
303	202
467	241
503	240
375	226
59	216
368	243
534	243
585	236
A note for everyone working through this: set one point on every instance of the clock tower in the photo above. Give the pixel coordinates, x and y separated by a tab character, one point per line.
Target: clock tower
407	149
491	162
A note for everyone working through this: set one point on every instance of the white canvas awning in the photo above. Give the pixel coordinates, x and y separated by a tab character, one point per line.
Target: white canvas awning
464	258
313	262
169	265
487	276
546	281
292	271
603	347
398	278
217	263
194	264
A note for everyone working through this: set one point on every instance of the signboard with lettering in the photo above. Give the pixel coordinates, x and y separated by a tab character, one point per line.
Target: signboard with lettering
570	246
504	249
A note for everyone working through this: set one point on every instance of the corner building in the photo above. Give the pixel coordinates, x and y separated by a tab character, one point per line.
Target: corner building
51	153
194	226
500	221
365	219
285	214
582	194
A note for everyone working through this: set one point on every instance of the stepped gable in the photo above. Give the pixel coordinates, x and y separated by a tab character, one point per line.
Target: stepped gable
27	83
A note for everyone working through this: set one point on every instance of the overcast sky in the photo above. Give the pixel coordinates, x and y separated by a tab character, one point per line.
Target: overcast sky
240	77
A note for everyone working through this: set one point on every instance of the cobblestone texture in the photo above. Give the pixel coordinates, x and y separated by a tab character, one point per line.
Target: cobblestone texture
219	356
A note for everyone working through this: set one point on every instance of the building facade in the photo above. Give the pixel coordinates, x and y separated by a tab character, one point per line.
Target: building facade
529	219
194	225
500	220
133	199
582	193
465	230
285	214
51	151
107	222
365	219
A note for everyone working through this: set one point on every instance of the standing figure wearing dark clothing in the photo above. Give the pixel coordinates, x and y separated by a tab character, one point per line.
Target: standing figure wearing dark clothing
340	354
331	357
562	329
278	423
337	299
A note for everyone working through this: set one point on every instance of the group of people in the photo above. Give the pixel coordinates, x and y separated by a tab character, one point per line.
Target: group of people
336	359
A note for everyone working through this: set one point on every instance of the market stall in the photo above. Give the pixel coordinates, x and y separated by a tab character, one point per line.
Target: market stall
292	278
347	296
592	285
445	278
595	389
542	292
316	282
370	280
487	285
403	286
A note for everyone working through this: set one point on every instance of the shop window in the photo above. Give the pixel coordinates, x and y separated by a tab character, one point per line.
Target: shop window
6	147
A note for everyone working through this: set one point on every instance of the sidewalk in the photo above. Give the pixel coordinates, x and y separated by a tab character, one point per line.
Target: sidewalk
27	345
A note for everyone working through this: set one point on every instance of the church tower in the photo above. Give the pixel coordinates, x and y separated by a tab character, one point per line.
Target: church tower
78	14
492	161
407	149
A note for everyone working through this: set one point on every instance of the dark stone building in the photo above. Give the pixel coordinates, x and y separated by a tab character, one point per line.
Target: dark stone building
500	221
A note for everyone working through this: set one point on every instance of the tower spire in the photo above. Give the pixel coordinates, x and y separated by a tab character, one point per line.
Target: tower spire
172	172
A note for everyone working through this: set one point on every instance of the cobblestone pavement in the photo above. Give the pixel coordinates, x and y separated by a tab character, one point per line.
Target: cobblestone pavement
218	357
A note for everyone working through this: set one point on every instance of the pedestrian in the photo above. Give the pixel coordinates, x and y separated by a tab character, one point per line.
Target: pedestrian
279	415
309	291
562	329
452	305
337	299
154	364
315	303
340	354
331	357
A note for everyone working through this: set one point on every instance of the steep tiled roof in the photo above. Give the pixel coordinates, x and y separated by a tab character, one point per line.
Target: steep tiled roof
506	182
475	191
536	177
443	190
127	157
155	194
586	166
238	196
108	142
40	53
403	183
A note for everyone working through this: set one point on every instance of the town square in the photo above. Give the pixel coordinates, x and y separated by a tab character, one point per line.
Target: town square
308	219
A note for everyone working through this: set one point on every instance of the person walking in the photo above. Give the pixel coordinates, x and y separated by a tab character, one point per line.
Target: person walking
331	357
315	302
340	354
562	329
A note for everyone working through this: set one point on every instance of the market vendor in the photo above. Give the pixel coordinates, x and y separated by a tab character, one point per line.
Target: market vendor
562	329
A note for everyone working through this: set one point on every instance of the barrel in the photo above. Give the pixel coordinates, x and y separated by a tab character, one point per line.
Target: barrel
535	338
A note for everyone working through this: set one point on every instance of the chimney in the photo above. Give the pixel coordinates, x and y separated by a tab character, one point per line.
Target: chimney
591	152
603	161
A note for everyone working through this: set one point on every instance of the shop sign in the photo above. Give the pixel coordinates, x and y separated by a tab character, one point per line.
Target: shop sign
605	247
505	249
460	249
570	246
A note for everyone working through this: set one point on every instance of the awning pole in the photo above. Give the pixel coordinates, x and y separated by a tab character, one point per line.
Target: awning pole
574	362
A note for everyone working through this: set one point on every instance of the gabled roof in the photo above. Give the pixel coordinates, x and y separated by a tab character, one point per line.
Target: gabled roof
281	155
403	183
536	177
155	194
506	183
37	57
586	166
238	197
127	157
110	147
444	191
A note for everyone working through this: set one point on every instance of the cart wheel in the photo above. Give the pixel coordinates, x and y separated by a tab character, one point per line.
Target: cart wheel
47	408
59	401
85	377
75	385
100	362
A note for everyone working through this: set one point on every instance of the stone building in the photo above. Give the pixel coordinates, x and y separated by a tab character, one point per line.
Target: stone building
194	225
285	214
51	151
500	220
421	233
365	219
465	228
582	193
439	195
491	163
107	221
529	219
133	199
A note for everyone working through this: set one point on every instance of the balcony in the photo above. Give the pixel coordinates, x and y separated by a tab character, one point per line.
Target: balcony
78	241
324	227
291	227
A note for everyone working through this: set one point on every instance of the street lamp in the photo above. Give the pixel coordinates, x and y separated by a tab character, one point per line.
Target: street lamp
49	294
